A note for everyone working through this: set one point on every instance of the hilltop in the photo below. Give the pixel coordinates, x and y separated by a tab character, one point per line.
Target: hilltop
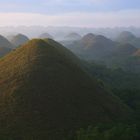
125	37
92	46
72	36
45	94
19	39
128	37
46	35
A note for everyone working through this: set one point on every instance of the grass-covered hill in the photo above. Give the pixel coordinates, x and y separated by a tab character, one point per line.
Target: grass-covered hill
4	51
45	94
72	36
123	84
92	47
102	50
46	35
121	54
125	36
5	46
19	39
125	56
5	43
128	37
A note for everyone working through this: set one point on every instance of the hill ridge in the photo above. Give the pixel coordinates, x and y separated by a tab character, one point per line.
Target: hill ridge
45	94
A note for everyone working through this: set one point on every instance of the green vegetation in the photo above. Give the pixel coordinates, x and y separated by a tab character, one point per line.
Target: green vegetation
92	47
102	50
108	132
4	51
45	94
123	84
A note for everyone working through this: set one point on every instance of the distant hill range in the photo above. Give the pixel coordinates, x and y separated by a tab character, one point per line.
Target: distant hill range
72	36
123	53
46	35
92	46
5	46
4	51
45	94
128	37
121	57
19	40
5	43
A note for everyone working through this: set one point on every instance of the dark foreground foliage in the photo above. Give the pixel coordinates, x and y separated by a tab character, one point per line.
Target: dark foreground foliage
109	132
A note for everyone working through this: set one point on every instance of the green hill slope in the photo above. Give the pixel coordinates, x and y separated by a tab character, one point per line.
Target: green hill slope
128	37
92	47
44	94
4	51
5	43
125	37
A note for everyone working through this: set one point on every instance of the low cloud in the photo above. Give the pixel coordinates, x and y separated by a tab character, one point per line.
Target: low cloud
97	19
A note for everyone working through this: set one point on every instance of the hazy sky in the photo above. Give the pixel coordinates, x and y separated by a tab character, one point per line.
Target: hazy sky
85	13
